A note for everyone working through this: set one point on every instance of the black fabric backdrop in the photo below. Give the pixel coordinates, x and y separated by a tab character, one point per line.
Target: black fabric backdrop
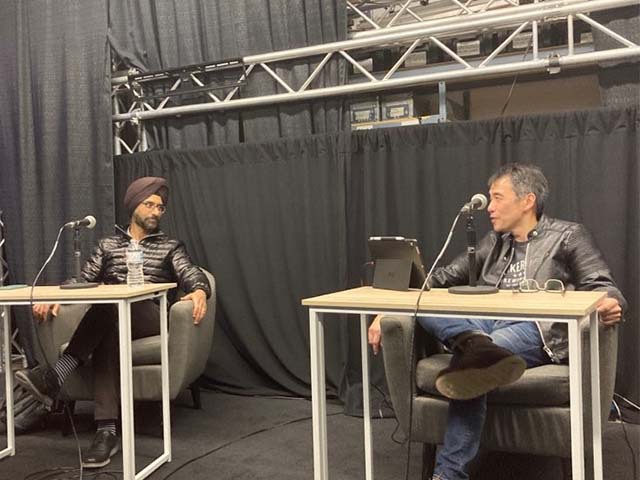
268	220
55	137
154	35
618	80
280	221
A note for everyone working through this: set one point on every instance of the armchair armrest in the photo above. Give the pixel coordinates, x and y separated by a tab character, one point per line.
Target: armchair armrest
608	344
397	337
189	344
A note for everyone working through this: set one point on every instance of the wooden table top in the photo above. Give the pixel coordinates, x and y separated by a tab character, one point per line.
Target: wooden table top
101	292
571	304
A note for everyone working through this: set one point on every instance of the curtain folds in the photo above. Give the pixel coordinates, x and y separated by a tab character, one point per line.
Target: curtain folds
153	35
283	220
268	221
55	137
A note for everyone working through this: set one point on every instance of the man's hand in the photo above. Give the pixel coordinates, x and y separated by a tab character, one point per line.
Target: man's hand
609	310
41	311
199	299
375	335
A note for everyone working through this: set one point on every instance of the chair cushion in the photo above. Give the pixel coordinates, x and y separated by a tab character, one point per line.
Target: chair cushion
547	385
144	351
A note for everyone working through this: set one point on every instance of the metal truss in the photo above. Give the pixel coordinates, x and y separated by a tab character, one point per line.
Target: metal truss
369	16
134	103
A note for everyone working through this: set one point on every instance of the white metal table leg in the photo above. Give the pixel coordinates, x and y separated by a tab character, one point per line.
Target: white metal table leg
166	415
575	399
318	396
596	411
8	385
368	453
126	391
164	359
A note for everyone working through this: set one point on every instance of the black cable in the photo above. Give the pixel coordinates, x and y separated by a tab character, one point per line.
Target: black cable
412	366
46	360
243	437
68	473
75	436
389	405
33	286
515	79
633	454
627	401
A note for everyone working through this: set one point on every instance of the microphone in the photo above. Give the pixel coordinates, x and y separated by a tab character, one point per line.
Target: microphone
89	221
77	281
477	202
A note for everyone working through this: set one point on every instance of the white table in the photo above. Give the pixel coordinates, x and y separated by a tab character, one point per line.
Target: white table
572	308
123	296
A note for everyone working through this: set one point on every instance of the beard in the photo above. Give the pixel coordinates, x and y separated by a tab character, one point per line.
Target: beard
149	223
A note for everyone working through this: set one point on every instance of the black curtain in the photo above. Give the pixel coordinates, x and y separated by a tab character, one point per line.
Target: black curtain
280	221
618	80
55	133
268	221
153	35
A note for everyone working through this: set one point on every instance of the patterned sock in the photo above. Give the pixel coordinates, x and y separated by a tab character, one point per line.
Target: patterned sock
64	366
107	425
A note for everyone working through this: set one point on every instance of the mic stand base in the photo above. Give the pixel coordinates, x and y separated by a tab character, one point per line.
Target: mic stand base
473	290
73	283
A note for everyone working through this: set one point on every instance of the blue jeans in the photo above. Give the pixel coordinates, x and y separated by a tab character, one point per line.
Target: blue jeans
466	417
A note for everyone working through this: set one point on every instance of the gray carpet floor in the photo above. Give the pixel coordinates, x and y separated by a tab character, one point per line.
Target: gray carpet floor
235	437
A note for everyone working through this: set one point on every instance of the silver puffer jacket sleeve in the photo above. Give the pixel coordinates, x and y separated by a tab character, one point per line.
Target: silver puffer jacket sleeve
190	277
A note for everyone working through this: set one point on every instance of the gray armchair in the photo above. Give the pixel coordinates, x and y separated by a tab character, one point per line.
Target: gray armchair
529	416
189	348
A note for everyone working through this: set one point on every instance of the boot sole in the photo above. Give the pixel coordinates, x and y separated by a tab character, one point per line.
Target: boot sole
24	380
104	463
473	382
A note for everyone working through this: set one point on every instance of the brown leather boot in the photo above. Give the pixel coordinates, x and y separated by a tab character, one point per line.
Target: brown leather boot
477	367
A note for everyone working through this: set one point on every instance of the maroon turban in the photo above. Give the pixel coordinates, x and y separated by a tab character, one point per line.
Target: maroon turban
142	188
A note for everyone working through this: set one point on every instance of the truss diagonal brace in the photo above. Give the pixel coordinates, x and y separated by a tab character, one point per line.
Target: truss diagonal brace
465	74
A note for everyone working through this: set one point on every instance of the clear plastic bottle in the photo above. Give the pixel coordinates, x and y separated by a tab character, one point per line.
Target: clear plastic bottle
135	261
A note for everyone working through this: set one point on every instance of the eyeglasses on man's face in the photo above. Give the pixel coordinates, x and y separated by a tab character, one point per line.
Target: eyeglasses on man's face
155	206
530	285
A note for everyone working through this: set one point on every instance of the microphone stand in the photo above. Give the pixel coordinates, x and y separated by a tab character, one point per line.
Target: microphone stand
473	288
77	281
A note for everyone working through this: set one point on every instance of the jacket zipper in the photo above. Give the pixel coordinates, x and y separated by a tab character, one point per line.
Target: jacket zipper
545	347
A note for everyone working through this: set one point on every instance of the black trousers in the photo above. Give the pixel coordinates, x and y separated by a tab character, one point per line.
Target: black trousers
96	337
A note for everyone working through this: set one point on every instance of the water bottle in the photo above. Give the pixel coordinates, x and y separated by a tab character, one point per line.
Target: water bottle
135	260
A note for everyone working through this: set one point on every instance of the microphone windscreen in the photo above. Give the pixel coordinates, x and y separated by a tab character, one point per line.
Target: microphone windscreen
91	221
480	200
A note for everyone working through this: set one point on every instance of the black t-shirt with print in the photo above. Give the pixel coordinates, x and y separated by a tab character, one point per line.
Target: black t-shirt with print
516	272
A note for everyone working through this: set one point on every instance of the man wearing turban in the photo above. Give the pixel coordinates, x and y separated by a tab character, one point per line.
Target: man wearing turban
96	337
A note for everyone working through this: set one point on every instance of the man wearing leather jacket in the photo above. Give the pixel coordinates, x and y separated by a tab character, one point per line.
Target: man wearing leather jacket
525	250
165	260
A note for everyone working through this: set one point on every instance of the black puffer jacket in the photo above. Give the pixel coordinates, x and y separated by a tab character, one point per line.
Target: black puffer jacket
556	249
165	260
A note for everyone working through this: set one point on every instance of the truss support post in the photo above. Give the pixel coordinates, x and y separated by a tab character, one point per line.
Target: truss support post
442	97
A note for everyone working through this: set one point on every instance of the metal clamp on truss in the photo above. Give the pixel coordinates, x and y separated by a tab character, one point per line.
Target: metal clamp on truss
554	64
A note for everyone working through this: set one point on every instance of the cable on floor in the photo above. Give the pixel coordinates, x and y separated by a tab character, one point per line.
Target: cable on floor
236	440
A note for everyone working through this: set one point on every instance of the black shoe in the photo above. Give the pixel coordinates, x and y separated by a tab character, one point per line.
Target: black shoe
42	382
104	446
477	367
